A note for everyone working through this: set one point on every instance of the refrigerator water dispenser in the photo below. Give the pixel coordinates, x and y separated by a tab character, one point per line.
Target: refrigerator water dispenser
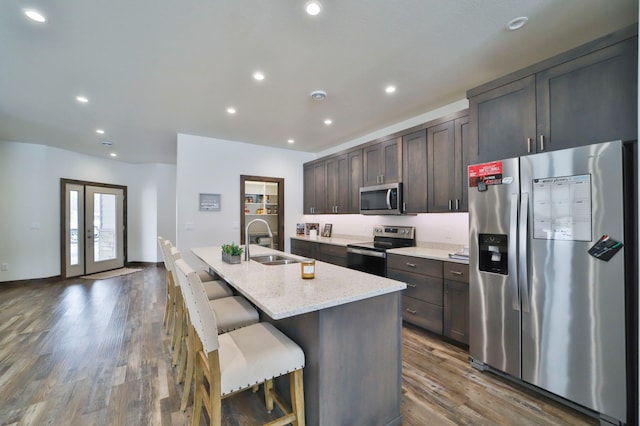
493	253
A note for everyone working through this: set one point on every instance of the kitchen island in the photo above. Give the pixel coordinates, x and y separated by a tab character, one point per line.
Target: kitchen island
347	322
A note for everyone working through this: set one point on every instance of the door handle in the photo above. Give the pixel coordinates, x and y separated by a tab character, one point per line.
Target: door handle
541	142
411	311
512	277
455	272
450	205
411	285
523	272
457	205
528	144
389	198
411	265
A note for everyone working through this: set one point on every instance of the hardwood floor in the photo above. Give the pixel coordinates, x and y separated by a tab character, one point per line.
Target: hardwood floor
81	352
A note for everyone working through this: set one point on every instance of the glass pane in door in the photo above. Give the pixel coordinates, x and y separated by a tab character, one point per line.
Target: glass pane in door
73	228
104	227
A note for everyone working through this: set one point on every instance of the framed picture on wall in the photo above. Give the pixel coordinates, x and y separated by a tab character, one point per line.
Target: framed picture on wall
209	202
326	232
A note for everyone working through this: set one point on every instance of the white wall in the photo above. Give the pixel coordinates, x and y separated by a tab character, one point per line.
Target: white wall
206	165
30	209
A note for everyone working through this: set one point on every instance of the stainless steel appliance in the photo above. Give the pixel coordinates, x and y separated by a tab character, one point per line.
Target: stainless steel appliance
371	257
381	199
546	306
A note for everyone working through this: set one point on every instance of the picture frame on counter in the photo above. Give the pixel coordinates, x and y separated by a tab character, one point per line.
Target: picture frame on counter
309	226
326	232
299	228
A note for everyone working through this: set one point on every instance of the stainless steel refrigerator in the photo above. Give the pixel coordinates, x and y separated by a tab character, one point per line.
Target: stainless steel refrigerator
548	283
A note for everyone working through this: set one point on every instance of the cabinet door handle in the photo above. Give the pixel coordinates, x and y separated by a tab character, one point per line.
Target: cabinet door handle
411	311
450	205
455	272
457	205
528	144
541	142
411	285
411	265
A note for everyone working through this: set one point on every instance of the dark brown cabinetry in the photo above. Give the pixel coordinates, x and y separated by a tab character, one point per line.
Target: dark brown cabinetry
355	180
422	301
324	252
314	188
414	171
456	302
382	162
337	178
583	96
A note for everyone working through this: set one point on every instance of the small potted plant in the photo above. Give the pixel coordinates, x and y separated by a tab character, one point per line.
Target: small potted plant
231	253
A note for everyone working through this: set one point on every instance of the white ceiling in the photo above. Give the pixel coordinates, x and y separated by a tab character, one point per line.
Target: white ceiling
152	69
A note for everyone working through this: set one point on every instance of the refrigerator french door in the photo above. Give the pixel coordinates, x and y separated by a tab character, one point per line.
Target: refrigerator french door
542	308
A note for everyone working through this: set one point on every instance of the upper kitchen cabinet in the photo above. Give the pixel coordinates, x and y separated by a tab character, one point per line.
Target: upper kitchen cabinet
446	166
503	121
583	96
315	199
382	162
355	180
337	178
414	171
590	99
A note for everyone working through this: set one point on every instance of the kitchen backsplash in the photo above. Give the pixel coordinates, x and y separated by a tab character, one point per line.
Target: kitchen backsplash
448	228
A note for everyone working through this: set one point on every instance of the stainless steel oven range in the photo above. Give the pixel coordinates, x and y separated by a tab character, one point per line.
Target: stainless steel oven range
371	257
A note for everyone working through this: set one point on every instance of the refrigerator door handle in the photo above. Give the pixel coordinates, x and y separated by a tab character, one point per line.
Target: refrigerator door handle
513	247
523	272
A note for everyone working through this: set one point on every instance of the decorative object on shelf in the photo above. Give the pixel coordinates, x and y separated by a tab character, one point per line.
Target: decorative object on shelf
299	228
326	232
209	202
231	253
259	211
309	226
248	199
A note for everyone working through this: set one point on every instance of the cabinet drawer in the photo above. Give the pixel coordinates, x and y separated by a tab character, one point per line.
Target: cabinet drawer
416	265
422	287
456	271
423	314
303	248
333	250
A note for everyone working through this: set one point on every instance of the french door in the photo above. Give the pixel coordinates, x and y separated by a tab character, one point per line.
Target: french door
93	232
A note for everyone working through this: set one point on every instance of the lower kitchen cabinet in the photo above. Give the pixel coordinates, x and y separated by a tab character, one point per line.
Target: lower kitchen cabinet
324	252
437	294
456	302
303	248
422	300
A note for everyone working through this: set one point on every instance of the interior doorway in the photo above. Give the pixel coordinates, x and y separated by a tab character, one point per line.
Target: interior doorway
262	198
93	227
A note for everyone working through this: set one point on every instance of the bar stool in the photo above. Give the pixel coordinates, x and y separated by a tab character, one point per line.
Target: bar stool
238	360
169	303
234	312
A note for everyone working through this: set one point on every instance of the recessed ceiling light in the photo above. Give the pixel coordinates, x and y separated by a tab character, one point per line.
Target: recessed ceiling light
35	15
258	75
100	131
82	99
318	95
290	141
313	7
517	23
113	154
231	110
328	121
390	89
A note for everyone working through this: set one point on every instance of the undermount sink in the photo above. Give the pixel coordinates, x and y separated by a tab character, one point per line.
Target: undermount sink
274	259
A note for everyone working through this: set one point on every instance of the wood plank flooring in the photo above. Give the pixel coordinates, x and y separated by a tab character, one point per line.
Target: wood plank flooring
81	352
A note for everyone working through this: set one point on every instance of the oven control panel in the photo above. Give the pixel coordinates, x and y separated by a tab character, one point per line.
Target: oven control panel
406	232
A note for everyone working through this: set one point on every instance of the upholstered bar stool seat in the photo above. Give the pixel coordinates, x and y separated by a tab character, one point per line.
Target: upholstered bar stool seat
233	313
238	360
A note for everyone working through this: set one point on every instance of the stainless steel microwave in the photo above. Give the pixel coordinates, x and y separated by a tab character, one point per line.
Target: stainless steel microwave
381	199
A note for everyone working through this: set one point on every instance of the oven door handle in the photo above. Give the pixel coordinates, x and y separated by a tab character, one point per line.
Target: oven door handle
364	252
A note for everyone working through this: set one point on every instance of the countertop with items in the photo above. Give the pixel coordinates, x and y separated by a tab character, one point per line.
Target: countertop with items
281	292
428	250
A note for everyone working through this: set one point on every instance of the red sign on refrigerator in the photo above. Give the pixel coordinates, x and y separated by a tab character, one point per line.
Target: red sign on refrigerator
489	173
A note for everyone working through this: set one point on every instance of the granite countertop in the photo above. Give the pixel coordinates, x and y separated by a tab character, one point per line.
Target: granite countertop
279	290
338	240
435	251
